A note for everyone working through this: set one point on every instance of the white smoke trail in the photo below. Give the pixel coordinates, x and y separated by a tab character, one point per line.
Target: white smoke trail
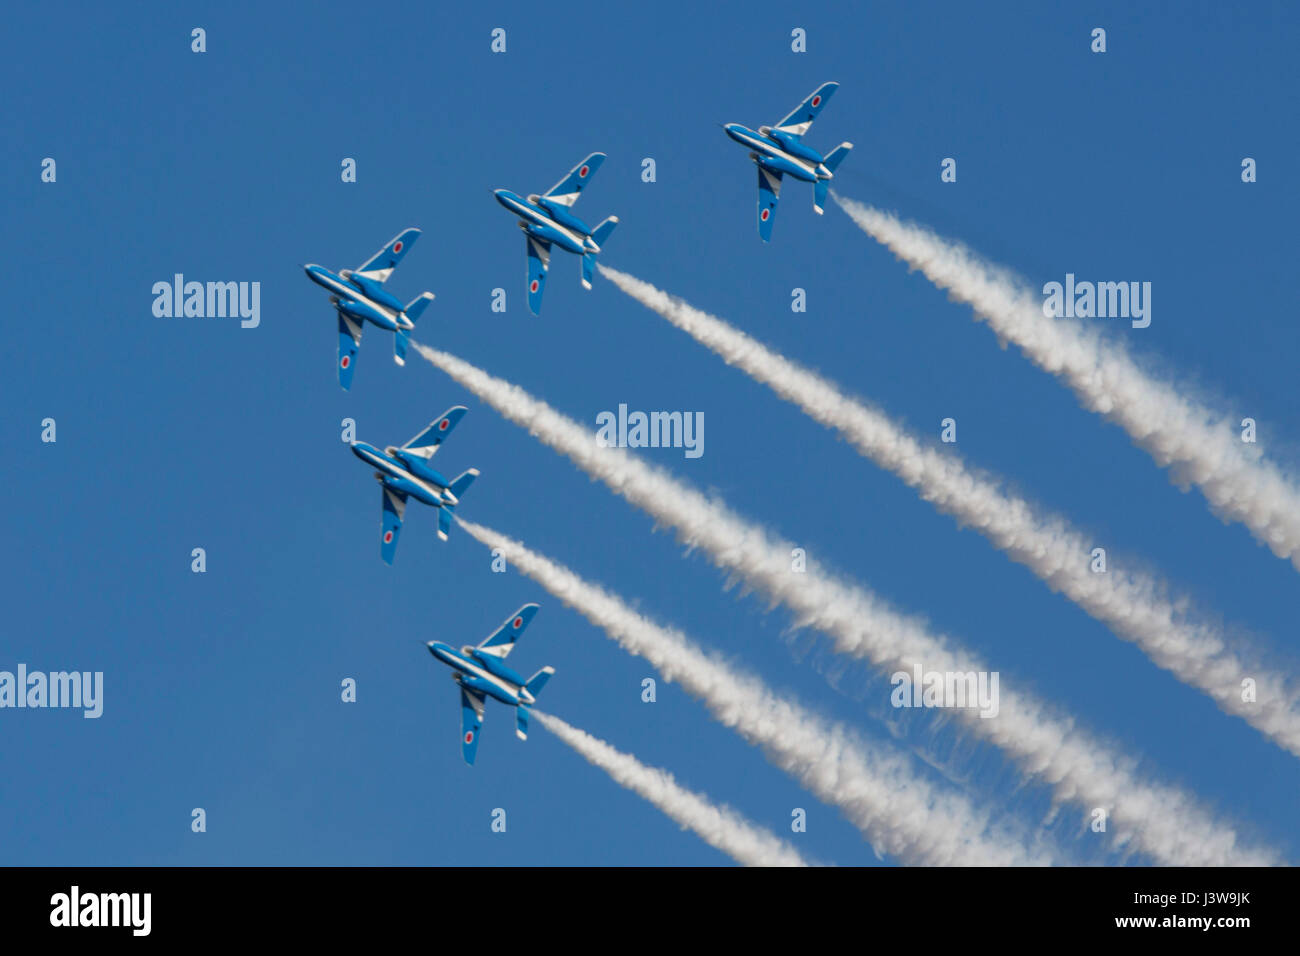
719	826
1161	820
898	811
1133	605
1202	447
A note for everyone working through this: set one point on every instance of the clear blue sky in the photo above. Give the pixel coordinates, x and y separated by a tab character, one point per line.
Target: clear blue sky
222	689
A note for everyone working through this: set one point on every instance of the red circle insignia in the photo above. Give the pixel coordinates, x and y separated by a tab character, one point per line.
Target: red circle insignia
582	173
764	214
518	622
532	286
442	425
816	101
469	737
388	537
397	246
345	361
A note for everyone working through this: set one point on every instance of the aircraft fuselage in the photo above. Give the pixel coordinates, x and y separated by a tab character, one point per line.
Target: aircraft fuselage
361	298
549	221
780	152
484	673
407	473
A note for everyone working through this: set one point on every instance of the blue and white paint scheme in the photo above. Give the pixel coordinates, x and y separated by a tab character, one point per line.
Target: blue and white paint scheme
548	220
406	472
359	297
779	150
481	673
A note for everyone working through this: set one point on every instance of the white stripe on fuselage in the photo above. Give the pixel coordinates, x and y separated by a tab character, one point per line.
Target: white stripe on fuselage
352	293
766	147
541	219
385	463
476	670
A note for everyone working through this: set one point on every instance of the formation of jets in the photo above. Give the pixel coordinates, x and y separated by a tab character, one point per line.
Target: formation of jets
547	220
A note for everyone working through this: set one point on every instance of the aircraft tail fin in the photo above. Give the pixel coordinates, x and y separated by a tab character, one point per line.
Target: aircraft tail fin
445	512
598	235
521	722
538	680
831	162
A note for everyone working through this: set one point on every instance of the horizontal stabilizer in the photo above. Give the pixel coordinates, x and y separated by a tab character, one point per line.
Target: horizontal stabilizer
463	482
538	680
836	156
417	305
604	230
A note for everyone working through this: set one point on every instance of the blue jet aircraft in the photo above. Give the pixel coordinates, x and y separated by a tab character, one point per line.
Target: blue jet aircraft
546	221
481	673
777	150
406	473
360	297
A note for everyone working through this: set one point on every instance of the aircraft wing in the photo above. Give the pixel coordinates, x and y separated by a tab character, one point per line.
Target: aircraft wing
349	342
539	258
381	265
428	441
394	510
769	191
797	123
502	641
471	719
568	189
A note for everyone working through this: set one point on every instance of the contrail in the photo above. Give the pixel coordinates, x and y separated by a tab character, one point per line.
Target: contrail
897	811
1161	820
720	827
1133	605
1201	446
